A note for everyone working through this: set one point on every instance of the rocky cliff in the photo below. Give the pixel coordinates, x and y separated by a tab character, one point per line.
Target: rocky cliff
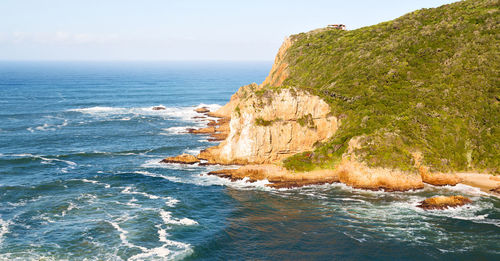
269	125
390	106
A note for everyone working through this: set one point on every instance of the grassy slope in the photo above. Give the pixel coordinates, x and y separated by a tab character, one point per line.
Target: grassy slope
428	81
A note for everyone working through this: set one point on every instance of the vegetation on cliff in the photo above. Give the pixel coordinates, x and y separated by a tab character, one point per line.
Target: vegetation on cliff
426	82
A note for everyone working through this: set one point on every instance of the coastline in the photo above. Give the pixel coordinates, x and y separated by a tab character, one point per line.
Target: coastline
349	172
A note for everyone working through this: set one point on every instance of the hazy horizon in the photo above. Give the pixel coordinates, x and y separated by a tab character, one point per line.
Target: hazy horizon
155	30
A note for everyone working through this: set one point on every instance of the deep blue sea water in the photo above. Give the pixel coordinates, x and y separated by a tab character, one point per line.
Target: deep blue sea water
80	179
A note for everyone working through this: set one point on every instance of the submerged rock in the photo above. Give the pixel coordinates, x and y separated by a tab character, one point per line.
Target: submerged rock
444	202
184	159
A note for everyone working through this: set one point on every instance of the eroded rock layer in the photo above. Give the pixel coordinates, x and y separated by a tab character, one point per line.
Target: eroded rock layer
269	125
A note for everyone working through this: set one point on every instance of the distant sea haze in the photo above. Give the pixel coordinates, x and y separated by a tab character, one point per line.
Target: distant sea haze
80	179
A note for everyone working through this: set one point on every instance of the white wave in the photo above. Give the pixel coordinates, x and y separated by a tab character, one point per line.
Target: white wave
184	113
128	190
44	159
175	130
4	229
195	151
123	236
169	220
87	197
69	208
169	201
98	109
48	127
90	181
155	163
149	174
93	182
162	252
465	189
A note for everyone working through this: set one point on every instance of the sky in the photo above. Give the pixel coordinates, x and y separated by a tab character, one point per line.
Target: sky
165	30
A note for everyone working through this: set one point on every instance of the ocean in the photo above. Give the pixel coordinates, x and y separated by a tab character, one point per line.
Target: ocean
80	179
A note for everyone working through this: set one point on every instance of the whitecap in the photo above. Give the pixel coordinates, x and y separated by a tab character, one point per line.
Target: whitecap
128	190
160	252
175	130
169	220
4	229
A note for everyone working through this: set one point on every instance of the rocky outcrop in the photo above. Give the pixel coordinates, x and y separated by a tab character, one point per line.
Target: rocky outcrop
202	110
495	190
184	159
279	71
277	176
206	130
358	175
443	202
158	108
438	179
267	126
242	93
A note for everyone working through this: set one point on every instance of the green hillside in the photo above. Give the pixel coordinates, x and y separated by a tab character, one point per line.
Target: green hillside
428	81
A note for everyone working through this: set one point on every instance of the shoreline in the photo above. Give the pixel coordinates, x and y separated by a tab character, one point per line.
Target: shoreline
349	172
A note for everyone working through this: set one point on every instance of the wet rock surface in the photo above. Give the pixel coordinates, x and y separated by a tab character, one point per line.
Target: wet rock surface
444	202
184	159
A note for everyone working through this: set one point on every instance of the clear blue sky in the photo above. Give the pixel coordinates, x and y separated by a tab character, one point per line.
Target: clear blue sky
175	29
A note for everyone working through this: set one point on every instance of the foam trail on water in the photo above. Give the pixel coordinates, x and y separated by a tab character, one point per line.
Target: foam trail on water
4	229
169	220
183	113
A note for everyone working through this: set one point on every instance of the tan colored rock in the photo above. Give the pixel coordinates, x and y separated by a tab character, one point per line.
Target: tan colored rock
278	176
438	179
242	93
293	122
184	159
443	202
495	190
202	110
218	137
358	175
495	178
202	130
279	71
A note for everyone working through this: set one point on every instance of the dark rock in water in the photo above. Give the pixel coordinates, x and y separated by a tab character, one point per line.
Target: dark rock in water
184	159
443	202
202	110
202	130
495	190
158	108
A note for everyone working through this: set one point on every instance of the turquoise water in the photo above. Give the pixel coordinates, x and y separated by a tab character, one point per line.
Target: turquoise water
80	179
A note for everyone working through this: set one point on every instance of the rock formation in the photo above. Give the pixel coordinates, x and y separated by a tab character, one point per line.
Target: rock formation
202	110
184	159
443	202
269	126
158	108
278	176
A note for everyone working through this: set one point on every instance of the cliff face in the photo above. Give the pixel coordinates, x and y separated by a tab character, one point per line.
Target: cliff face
269	125
279	71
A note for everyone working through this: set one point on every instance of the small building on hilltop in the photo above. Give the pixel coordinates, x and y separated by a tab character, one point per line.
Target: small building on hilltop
337	26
